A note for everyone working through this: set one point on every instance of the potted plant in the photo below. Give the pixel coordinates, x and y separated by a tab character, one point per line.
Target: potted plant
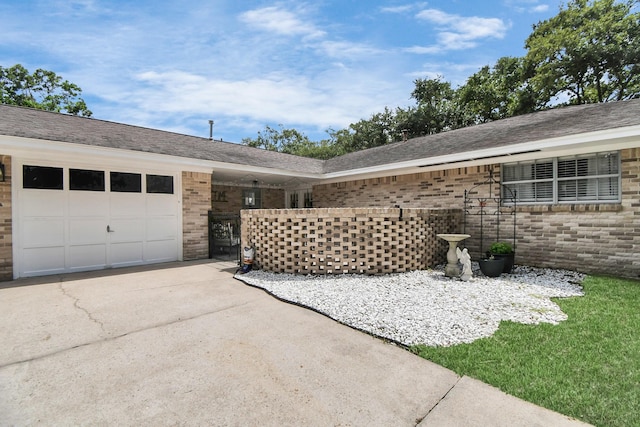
503	250
491	266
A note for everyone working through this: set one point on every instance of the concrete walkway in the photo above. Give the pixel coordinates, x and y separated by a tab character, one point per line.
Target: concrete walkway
186	344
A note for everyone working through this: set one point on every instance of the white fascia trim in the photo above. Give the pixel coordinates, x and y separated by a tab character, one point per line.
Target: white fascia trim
613	139
30	148
248	170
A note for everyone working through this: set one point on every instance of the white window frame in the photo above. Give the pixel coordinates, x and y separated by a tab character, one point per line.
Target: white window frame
557	181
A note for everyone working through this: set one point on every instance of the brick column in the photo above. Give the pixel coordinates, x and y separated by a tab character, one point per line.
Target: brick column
196	202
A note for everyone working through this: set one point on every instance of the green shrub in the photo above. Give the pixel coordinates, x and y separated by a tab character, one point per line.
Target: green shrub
500	248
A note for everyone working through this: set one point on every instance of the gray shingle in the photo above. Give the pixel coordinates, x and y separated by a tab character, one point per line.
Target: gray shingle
533	127
31	123
559	122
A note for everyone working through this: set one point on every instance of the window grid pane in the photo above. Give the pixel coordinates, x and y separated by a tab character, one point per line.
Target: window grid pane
584	178
42	177
86	180
123	182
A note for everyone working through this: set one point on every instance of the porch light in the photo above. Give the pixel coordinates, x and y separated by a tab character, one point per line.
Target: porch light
2	177
250	199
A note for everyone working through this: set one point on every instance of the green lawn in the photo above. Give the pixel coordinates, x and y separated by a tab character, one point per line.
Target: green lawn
587	367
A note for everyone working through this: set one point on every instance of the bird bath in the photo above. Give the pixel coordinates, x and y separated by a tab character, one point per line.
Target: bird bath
452	269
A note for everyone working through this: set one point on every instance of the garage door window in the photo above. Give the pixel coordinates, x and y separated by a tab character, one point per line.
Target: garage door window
160	184
86	180
41	177
123	182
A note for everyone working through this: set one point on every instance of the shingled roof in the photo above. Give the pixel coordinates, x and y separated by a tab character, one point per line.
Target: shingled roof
555	123
38	124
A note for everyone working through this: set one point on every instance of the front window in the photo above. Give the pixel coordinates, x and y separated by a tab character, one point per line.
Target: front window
580	178
299	199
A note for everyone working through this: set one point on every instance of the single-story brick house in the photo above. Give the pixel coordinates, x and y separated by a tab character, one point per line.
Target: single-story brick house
80	194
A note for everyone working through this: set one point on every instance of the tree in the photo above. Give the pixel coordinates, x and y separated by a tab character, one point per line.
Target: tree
589	51
437	108
497	92
291	141
43	89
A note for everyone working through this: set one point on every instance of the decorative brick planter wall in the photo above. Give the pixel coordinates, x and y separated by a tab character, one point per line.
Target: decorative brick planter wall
357	240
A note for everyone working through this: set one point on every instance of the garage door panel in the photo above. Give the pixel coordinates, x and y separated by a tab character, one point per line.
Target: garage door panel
127	205
162	250
162	228
126	253
87	256
160	204
87	231
88	204
39	261
127	230
42	203
42	232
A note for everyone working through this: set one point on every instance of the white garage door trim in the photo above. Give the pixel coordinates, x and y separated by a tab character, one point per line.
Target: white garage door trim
65	230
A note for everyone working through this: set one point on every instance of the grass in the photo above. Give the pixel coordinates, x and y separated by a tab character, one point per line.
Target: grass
587	367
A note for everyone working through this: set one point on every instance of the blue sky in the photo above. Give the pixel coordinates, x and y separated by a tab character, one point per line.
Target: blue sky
310	65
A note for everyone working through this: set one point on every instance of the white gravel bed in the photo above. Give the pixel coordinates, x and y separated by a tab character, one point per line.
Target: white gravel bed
426	307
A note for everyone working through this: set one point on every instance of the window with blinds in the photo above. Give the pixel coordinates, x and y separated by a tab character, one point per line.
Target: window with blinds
581	178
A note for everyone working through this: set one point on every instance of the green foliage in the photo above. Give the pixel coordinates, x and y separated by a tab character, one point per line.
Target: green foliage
291	141
497	92
43	89
586	367
589	51
500	248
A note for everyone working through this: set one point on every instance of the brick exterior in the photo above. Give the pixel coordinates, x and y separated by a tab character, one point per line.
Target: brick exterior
349	240
593	238
6	231
228	198
196	202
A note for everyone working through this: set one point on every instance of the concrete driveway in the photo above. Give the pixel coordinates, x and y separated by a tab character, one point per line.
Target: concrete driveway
186	344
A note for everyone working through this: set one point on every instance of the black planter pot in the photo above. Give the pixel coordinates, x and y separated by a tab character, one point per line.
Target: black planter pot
491	267
508	261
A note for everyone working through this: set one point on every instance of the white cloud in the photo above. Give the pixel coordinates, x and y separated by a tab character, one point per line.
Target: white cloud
540	8
334	99
343	49
455	32
527	6
277	20
403	8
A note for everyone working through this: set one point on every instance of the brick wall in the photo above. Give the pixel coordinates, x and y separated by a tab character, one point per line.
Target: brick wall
438	189
349	240
593	238
6	232
196	202
228	198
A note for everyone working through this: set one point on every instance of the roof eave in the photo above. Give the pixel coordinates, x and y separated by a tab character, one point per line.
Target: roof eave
605	140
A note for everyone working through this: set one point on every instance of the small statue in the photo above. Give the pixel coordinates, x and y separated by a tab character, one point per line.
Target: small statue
465	259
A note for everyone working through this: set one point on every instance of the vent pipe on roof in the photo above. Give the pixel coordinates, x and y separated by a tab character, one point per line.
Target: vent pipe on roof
210	130
405	134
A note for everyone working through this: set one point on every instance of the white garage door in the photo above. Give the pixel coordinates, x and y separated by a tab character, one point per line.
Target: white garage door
74	219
